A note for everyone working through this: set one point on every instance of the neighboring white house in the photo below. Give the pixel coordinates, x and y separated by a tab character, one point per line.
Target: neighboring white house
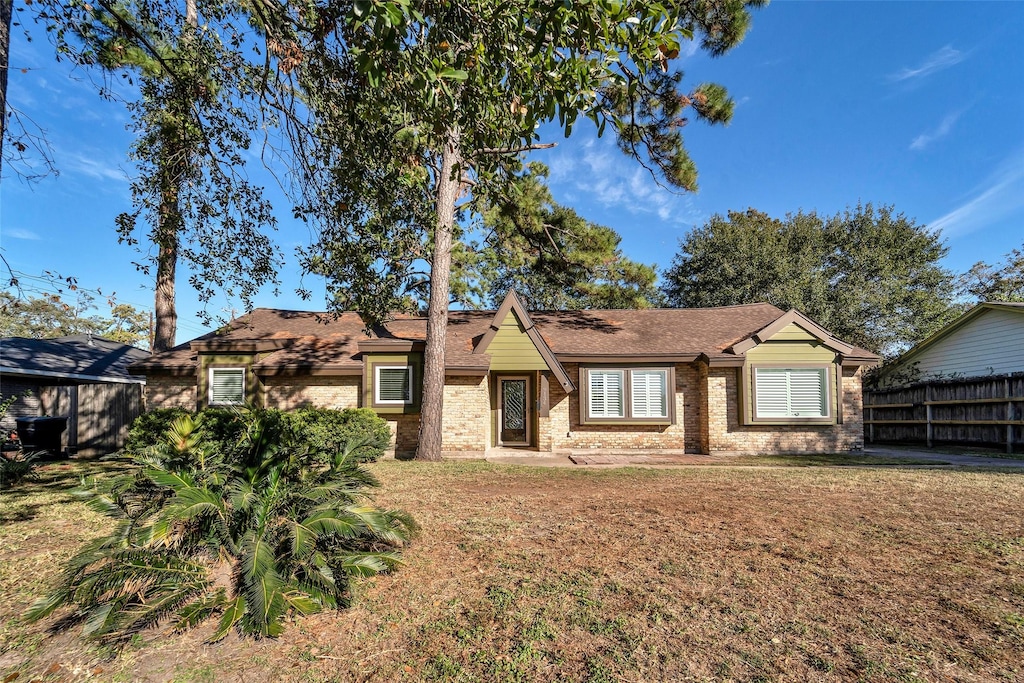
986	340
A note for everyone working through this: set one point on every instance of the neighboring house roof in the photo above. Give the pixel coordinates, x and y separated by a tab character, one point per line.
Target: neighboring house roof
299	342
79	357
969	318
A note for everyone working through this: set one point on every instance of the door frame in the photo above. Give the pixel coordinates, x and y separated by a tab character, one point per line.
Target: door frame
528	410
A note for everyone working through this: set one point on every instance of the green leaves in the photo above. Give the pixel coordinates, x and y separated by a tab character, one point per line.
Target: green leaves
454	74
233	613
282	531
557	258
871	276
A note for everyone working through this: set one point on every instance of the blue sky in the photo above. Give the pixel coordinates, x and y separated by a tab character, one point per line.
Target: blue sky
919	105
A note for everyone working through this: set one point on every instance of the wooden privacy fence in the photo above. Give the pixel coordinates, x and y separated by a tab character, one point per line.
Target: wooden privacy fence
981	411
98	414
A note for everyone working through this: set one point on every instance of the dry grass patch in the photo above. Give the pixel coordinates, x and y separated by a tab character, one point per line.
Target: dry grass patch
603	575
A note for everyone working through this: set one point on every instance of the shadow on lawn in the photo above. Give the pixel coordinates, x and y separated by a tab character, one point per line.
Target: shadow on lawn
53	484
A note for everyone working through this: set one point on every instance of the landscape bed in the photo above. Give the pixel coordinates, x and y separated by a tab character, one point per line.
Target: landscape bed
520	573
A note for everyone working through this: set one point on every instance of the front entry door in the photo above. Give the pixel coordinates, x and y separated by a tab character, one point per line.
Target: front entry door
514	411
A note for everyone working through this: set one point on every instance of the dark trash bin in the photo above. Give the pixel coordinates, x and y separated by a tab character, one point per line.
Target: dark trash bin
39	434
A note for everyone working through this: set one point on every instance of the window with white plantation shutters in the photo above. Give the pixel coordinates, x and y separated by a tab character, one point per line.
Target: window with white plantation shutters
227	386
605	394
790	392
649	395
393	384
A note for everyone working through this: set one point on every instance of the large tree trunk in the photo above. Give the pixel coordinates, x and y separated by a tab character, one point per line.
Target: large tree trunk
173	165
6	9
432	404
177	156
166	325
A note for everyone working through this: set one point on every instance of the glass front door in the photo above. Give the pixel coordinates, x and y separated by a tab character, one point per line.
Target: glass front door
514	411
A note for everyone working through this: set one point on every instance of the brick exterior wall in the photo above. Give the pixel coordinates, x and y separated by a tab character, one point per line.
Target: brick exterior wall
563	431
467	415
725	434
290	393
405	434
706	403
164	391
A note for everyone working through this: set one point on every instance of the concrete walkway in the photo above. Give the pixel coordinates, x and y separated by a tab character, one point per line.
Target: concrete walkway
939	457
610	459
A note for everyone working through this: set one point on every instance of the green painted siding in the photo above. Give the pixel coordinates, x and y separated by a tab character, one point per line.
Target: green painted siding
372	360
773	351
253	386
793	332
512	349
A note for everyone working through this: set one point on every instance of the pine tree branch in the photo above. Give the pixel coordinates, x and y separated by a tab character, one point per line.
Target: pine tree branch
517	150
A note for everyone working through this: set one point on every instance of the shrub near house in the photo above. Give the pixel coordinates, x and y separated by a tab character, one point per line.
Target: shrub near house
271	526
323	430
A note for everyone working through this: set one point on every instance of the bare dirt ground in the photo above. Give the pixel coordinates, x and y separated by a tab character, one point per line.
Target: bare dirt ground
531	574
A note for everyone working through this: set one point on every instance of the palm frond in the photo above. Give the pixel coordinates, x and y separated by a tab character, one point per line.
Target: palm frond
233	613
195	612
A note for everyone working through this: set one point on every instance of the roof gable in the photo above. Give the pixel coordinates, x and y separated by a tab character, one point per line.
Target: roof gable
513	305
787	326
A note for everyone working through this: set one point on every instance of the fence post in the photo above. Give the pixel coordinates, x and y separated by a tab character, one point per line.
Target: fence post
928	413
1009	416
869	401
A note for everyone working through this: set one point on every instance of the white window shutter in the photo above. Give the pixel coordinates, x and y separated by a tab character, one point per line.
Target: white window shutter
605	393
393	385
807	393
772	392
649	393
791	392
227	387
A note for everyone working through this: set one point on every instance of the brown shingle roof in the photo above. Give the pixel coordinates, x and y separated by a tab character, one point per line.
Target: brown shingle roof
676	331
319	340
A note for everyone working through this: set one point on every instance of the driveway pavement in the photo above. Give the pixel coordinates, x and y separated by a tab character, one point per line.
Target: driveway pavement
952	457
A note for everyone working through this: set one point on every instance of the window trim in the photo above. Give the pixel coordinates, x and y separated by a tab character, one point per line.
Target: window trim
377	400
828	372
209	395
627	371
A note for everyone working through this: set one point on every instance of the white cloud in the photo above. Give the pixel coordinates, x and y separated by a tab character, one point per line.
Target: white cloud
21	234
93	168
941	59
1001	194
922	141
597	174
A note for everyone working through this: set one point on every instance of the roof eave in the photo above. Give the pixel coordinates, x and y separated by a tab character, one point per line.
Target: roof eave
950	328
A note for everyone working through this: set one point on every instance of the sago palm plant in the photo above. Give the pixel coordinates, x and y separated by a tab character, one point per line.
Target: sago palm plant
254	538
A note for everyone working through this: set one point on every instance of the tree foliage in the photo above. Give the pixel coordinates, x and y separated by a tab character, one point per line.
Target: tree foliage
420	112
250	539
50	315
871	276
194	118
550	254
1000	282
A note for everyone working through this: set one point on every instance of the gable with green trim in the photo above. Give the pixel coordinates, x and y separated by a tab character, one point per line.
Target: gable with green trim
512	348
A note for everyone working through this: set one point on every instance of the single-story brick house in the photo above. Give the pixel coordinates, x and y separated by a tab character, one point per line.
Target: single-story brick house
735	379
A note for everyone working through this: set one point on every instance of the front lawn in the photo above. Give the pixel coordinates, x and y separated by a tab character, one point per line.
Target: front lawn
530	574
